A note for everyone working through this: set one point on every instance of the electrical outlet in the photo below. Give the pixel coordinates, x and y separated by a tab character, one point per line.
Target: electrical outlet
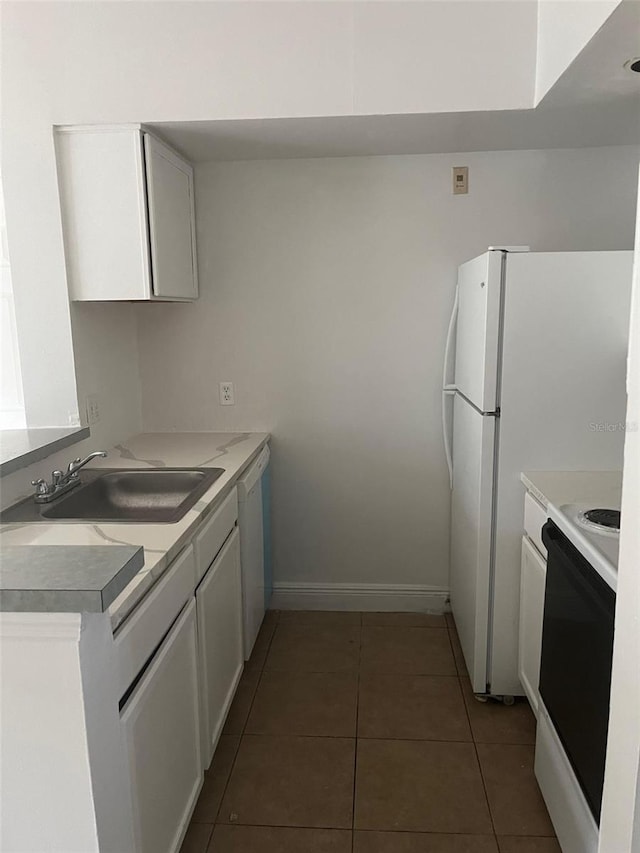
227	397
93	409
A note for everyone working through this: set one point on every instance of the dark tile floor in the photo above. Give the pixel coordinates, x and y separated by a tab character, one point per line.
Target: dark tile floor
359	733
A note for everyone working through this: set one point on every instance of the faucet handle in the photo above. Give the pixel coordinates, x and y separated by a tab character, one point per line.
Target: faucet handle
42	487
71	466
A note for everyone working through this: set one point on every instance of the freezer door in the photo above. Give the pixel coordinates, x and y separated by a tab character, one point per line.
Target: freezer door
474	438
478	330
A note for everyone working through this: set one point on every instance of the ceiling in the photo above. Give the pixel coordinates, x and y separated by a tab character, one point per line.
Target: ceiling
584	125
596	102
598	75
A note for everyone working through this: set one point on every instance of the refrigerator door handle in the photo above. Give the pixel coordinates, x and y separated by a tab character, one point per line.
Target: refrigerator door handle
448	389
446	385
447	392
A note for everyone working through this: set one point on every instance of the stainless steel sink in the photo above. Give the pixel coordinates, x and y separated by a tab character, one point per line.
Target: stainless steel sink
123	494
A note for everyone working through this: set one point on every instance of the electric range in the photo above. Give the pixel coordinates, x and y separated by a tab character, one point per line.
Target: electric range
582	541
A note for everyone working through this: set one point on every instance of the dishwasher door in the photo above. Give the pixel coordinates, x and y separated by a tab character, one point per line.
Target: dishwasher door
250	520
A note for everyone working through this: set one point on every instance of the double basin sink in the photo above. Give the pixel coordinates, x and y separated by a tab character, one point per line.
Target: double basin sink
158	495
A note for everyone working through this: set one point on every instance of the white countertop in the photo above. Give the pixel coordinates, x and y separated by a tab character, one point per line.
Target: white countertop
565	494
65	578
603	488
161	542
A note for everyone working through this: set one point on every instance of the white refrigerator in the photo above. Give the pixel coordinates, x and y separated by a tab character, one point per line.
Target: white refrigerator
538	383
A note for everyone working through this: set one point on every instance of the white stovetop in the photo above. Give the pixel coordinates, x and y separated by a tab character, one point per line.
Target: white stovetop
566	494
161	542
599	549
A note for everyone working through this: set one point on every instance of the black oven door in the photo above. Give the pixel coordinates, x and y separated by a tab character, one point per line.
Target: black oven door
575	669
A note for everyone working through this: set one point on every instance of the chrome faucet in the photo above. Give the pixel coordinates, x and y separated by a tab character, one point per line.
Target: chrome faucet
61	483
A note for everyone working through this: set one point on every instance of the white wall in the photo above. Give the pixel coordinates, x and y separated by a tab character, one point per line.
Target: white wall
564	29
63	761
326	289
439	56
106	353
620	820
100	62
170	61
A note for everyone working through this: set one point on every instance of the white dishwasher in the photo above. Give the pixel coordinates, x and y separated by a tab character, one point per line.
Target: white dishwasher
250	520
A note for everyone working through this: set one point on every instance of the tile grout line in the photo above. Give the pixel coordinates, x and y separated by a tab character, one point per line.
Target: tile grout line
450	630
244	725
473	736
455	660
358	672
476	742
475	749
355	749
262	672
372	672
397	831
209	839
377	737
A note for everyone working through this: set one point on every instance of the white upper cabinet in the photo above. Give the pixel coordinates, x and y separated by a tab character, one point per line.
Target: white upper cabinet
171	221
128	215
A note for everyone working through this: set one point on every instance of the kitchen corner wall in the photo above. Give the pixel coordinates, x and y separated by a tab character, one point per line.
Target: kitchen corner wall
105	348
105	343
326	287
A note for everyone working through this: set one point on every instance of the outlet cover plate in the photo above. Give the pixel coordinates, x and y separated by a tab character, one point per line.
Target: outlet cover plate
93	409
227	396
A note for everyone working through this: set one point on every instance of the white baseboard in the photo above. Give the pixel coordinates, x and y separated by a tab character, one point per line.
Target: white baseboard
342	596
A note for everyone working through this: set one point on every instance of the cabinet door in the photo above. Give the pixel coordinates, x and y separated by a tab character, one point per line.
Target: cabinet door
219	604
104	216
161	728
532	580
171	222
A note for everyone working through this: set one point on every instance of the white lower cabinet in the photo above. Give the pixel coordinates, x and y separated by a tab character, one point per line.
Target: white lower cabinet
174	709
532	581
161	728
219	606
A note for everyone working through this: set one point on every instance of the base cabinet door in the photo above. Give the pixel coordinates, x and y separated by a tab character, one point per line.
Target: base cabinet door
161	727
219	605
532	581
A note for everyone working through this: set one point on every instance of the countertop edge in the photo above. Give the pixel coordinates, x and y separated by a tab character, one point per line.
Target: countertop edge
564	487
122	579
36	454
15	600
535	491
